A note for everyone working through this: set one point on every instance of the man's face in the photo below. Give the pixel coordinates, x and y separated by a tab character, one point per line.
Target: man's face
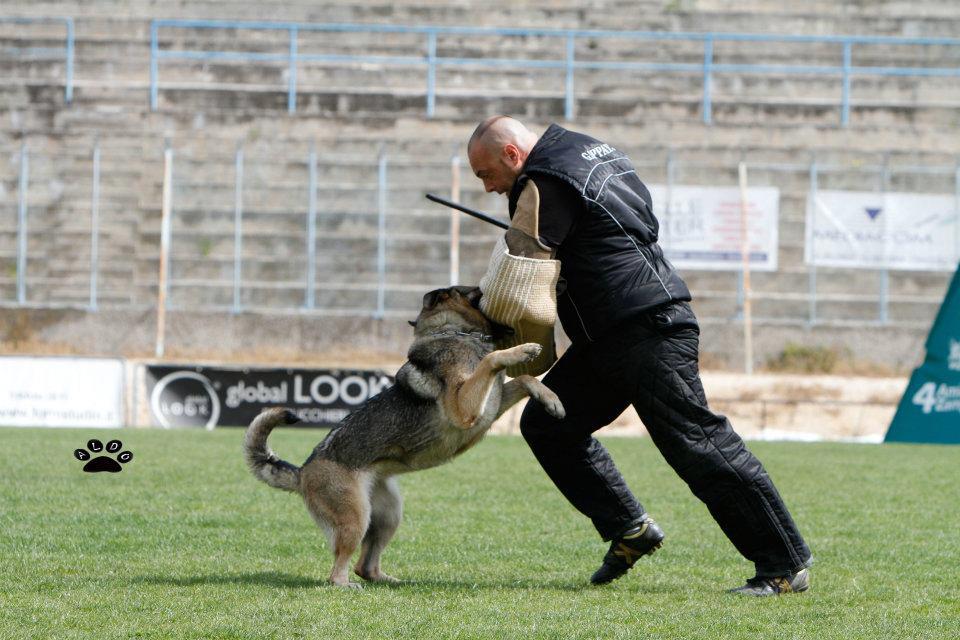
497	170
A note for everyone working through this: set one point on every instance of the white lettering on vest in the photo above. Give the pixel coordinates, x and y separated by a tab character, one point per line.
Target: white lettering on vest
597	152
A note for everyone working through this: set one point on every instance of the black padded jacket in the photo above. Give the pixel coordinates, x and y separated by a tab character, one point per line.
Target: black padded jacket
612	269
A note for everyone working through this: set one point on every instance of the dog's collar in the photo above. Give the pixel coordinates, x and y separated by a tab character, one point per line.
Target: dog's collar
479	335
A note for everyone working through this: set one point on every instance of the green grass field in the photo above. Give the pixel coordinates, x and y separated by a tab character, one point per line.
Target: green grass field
184	543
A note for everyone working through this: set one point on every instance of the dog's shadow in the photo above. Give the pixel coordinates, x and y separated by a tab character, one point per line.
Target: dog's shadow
290	581
264	578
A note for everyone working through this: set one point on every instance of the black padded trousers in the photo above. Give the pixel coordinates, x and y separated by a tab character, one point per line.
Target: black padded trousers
653	364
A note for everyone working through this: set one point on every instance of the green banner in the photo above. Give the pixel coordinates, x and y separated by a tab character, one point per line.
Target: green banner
930	408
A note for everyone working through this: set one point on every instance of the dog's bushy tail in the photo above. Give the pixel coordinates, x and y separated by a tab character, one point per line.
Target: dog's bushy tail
264	463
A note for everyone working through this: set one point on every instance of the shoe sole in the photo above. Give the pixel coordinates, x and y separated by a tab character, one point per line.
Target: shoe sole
802	588
649	552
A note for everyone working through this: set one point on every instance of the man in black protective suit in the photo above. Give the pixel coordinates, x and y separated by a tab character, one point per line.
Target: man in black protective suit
634	341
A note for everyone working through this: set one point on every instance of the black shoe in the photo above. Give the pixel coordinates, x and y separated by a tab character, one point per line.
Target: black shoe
639	541
761	587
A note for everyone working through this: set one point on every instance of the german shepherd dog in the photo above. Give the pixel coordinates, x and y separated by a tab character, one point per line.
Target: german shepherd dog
446	396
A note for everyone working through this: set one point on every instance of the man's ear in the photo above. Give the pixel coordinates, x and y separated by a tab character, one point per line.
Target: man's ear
511	154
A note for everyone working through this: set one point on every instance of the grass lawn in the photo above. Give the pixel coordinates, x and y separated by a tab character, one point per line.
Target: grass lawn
184	543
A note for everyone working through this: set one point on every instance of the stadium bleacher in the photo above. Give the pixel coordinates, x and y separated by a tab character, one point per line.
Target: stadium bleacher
350	112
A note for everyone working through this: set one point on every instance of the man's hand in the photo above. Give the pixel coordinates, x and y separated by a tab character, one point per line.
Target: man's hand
522	236
525	246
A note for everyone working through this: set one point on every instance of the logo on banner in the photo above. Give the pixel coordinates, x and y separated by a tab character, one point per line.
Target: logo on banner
953	361
324	389
941	398
207	397
894	230
185	399
103	463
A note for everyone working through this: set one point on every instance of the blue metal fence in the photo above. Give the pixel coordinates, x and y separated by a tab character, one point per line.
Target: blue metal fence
844	70
390	251
67	52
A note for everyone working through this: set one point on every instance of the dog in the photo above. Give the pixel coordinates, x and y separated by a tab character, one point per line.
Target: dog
447	394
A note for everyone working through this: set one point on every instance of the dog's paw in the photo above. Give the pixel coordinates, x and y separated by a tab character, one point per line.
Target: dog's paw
552	405
378	576
530	351
346	584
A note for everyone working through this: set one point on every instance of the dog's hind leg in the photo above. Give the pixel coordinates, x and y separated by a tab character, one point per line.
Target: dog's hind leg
340	499
386	511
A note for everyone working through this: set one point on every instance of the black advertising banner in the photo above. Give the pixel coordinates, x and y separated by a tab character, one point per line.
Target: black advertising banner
207	397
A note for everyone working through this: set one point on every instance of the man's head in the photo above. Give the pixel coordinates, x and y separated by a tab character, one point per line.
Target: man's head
497	150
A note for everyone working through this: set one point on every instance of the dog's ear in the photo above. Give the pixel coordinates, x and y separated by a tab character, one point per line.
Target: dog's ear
430	298
473	297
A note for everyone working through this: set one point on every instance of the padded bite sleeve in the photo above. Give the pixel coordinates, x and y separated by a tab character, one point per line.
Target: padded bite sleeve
520	292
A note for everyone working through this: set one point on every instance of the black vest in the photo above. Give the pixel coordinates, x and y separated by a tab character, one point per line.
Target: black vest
612	266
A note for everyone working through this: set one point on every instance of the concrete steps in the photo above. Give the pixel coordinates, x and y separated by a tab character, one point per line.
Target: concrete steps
275	215
349	113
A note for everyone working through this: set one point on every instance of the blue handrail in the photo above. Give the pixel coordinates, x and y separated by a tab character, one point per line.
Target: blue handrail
68	50
845	70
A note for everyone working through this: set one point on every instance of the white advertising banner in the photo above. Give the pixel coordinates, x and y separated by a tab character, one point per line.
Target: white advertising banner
909	231
700	226
61	392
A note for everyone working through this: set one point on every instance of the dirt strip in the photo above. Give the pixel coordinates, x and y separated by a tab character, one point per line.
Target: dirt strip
783	407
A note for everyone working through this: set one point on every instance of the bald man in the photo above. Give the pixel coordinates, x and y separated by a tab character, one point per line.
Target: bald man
635	339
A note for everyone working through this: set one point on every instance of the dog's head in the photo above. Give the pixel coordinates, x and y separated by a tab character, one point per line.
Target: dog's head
456	308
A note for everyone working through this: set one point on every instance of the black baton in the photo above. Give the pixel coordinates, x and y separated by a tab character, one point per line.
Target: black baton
469	211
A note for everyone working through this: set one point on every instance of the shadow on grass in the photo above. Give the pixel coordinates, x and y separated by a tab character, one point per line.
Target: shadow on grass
286	580
265	578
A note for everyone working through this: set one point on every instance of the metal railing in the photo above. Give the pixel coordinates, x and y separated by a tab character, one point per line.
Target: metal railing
23	231
372	233
844	70
311	216
66	53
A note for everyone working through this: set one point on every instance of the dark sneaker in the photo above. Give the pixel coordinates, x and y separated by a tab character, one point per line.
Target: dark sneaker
761	587
639	541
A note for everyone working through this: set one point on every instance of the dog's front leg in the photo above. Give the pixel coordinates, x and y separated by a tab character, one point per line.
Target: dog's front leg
527	386
470	399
